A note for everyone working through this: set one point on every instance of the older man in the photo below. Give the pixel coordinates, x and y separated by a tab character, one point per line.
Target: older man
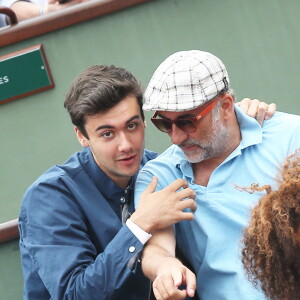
218	150
79	235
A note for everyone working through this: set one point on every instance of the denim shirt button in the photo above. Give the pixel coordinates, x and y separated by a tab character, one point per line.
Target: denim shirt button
131	249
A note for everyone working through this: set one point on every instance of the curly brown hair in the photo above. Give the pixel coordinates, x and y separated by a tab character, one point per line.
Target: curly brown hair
271	253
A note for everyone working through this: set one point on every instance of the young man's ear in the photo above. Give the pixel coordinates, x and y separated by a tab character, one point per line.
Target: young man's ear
81	138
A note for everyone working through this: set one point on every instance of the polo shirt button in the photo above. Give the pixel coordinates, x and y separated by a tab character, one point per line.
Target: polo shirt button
131	249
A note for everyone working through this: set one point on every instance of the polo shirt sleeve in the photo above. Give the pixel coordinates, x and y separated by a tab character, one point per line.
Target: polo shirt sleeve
143	179
55	234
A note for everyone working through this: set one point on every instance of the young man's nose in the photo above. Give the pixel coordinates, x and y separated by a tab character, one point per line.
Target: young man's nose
124	142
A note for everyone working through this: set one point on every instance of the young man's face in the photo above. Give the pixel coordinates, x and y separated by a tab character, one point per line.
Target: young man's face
116	139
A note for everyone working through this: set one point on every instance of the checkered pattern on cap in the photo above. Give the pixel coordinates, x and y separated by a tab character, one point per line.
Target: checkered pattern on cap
186	80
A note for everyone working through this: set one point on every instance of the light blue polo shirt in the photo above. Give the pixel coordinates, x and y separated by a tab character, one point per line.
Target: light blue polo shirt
212	242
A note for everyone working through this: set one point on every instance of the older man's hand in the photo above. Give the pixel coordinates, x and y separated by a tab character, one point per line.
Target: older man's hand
171	275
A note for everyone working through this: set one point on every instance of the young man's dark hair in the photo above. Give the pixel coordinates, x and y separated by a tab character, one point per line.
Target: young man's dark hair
98	88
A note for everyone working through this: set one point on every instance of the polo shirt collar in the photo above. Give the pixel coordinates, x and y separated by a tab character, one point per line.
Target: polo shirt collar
251	133
250	129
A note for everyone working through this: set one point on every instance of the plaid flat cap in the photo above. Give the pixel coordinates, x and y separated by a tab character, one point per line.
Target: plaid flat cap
186	80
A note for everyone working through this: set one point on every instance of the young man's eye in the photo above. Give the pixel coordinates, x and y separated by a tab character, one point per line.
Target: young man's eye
132	126
107	134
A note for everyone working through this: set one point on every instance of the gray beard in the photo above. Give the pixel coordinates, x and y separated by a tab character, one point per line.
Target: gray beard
212	147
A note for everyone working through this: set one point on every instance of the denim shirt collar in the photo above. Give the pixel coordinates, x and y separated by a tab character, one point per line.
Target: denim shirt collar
106	186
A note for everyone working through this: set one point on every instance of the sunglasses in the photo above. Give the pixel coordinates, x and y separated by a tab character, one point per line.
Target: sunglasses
188	124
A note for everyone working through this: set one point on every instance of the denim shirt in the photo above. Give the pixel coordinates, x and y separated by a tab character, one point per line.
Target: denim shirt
73	244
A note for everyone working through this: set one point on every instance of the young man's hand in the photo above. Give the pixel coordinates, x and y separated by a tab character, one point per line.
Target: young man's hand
157	210
257	109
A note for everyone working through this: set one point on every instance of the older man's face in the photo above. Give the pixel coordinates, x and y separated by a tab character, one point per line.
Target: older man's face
208	139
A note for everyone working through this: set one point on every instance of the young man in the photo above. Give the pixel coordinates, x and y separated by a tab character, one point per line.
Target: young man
217	149
75	241
74	244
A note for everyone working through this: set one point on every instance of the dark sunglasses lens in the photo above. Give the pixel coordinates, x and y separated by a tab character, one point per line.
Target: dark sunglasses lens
162	125
186	125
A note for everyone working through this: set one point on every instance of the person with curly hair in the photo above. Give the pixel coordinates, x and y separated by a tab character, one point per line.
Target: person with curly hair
271	253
